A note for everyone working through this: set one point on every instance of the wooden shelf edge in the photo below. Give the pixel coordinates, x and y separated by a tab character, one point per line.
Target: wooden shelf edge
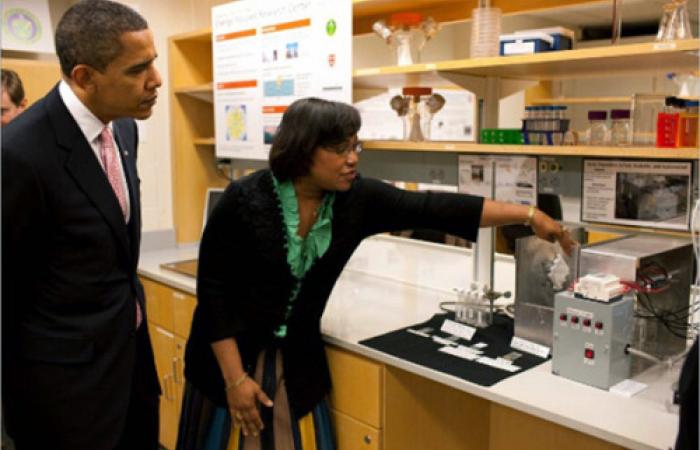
203	92
206	87
467	64
209	141
632	229
201	35
580	100
538	150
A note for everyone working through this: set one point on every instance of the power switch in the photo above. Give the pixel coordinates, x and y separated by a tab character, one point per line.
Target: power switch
589	353
599	325
586	322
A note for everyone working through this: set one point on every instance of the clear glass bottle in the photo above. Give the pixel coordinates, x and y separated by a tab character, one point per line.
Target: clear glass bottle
620	130
597	129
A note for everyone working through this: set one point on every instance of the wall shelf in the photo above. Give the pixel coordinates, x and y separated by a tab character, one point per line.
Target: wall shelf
210	141
203	92
539	150
628	59
580	100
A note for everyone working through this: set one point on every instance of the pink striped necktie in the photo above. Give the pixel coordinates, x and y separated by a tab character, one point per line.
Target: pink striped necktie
110	163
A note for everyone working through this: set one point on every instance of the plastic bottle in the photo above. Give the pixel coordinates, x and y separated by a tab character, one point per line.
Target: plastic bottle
620	130
597	129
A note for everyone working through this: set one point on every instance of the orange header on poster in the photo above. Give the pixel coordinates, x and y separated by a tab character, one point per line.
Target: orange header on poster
287	26
236	35
274	109
237	84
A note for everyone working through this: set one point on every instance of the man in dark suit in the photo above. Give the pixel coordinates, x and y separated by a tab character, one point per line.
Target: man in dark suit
77	365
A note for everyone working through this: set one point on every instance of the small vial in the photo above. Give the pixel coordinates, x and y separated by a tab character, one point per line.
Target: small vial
620	130
597	129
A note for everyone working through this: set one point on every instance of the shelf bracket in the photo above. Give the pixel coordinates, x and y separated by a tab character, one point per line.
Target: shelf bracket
510	86
472	83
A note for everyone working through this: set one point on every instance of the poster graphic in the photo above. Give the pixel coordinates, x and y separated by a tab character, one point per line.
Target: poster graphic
643	193
266	56
26	26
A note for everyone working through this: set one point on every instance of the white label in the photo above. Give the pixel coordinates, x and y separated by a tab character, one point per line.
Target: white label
529	347
665	46
628	388
458	329
518	48
499	363
443	341
418	332
461	352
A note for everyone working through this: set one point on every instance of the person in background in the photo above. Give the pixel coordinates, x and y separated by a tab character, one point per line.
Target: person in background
273	248
77	366
13	99
687	437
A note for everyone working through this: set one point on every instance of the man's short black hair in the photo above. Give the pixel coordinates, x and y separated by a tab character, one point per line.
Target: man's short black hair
307	124
89	32
12	84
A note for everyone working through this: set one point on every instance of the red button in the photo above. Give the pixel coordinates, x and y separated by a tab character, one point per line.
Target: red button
589	353
562	317
587	322
599	325
574	319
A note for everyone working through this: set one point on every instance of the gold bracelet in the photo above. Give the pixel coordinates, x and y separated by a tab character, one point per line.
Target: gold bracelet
236	383
530	215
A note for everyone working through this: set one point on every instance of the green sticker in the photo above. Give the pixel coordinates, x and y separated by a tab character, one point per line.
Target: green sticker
331	27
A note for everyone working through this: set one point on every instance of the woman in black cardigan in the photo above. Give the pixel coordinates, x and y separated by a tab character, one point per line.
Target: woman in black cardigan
270	255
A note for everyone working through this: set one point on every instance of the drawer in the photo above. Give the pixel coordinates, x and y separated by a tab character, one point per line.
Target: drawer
159	303
353	435
357	386
183	309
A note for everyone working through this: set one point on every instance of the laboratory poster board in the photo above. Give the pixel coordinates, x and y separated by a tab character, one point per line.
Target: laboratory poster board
642	193
267	55
26	26
505	178
456	121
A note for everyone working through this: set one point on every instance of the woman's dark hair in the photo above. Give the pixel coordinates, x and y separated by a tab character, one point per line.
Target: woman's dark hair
307	124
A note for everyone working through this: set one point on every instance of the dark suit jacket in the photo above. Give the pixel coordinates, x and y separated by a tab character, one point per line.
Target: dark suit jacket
68	281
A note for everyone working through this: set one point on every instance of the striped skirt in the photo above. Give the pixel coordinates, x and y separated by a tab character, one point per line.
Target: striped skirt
206	426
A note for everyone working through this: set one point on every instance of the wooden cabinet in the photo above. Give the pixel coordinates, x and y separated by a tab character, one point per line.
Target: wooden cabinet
356	400
169	313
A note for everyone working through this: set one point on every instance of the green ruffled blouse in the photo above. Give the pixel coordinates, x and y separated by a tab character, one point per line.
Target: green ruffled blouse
302	252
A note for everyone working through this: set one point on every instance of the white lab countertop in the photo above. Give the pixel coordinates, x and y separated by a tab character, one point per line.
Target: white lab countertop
364	305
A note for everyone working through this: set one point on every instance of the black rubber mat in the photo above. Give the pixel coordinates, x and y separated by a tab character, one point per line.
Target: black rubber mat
424	351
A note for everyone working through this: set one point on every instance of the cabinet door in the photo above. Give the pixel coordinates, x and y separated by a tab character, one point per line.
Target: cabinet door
183	309
354	435
164	349
357	386
159	303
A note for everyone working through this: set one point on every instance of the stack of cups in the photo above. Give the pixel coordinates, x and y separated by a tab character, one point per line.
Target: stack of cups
486	28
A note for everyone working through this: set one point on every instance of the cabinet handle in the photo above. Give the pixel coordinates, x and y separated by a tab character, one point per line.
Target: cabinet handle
178	296
367	439
166	387
175	372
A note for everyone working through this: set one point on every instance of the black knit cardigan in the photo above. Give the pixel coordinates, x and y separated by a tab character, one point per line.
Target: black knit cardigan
244	281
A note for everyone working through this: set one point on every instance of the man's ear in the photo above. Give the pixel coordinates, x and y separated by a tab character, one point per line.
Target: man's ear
83	77
23	104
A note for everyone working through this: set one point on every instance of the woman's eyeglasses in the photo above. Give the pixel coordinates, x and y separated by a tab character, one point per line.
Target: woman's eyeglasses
344	149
